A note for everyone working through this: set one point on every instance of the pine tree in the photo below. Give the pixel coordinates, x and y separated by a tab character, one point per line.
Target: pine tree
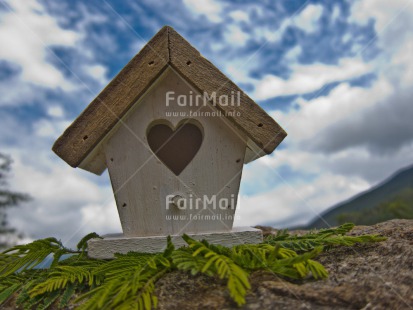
8	199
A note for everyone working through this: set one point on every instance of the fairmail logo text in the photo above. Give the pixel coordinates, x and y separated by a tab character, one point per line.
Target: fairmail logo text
197	100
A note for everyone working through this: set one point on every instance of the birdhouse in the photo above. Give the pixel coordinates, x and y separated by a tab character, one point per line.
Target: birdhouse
174	133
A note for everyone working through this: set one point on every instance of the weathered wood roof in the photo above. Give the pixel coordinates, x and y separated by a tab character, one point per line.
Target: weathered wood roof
166	49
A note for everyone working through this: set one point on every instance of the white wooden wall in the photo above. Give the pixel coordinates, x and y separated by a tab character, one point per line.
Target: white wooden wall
141	181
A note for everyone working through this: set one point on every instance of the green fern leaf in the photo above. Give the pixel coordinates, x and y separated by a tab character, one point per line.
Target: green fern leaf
223	266
82	245
324	237
22	297
128	282
67	295
184	260
5	294
48	301
61	277
22	257
169	247
123	264
132	285
317	270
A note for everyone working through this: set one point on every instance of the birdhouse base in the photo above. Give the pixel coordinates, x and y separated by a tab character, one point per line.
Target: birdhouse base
117	243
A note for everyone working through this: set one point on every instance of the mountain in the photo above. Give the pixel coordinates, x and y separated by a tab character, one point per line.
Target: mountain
392	198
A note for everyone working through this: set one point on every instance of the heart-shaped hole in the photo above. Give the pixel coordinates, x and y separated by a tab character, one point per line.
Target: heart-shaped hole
175	147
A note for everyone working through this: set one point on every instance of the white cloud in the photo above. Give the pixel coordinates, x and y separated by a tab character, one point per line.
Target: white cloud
343	102
347	37
98	72
235	36
211	9
27	32
336	177
364	113
236	72
309	78
336	13
46	128
308	19
292	55
382	128
239	16
55	111
14	91
103	219
136	46
271	35
67	203
63	196
383	12
289	205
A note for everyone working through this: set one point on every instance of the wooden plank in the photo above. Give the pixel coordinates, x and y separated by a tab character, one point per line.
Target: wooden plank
141	182
114	101
205	77
117	243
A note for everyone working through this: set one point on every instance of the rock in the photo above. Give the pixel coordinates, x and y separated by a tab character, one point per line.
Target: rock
366	276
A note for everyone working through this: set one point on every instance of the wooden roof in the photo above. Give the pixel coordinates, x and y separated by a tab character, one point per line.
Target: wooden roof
166	49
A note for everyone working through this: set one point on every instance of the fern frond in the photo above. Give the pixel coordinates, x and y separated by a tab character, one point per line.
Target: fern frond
317	270
128	282
82	261
185	261
22	257
223	266
324	237
340	230
278	260
125	290
7	292
48	300
23	297
297	267
145	298
256	256
82	245
123	263
132	284
67	295
170	247
61	276
33	277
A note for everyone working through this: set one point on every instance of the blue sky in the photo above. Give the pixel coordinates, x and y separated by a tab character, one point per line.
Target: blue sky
337	75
